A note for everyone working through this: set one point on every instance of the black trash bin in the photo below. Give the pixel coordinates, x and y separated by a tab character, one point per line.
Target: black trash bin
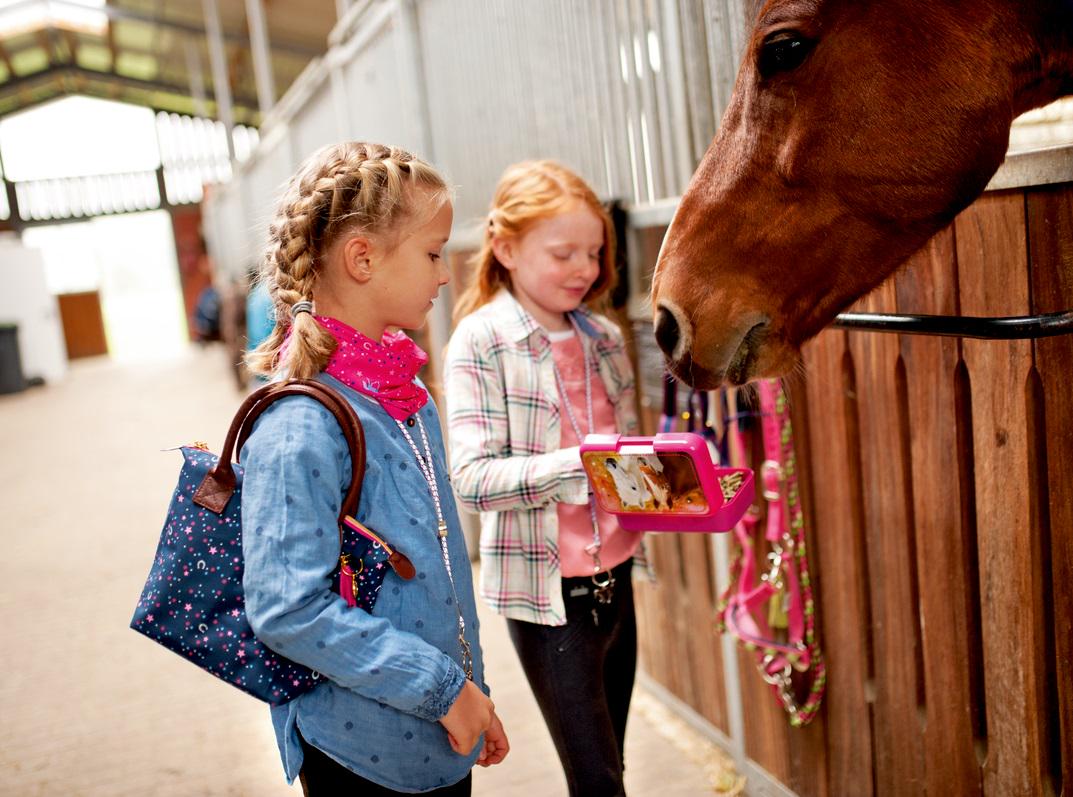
11	379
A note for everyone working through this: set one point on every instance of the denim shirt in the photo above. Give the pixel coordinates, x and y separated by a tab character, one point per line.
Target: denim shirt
390	675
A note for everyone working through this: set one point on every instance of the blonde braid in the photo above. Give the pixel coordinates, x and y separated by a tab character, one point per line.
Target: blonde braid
351	186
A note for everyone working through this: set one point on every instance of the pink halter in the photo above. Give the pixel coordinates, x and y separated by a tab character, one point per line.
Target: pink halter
385	371
785	589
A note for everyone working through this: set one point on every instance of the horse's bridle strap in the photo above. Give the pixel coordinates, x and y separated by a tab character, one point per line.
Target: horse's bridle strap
787	578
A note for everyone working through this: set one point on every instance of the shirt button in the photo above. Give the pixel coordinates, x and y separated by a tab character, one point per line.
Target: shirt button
410	421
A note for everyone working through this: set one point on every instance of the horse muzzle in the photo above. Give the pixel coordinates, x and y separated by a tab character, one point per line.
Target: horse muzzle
705	360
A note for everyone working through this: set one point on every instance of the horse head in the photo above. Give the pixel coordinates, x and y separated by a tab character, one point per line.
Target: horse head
857	129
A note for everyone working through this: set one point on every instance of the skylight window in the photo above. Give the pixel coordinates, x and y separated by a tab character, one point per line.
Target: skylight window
24	16
78	136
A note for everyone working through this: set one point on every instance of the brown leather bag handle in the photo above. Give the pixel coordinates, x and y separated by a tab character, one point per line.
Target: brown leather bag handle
219	483
344	415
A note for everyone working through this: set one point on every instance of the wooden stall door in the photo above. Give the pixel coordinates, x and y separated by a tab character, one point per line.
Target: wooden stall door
937	475
944	524
83	324
994	280
844	604
1049	213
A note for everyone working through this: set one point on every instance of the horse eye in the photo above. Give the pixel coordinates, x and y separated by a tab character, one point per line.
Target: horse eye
782	52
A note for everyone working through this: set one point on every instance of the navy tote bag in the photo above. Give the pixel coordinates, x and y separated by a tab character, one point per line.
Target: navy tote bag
192	602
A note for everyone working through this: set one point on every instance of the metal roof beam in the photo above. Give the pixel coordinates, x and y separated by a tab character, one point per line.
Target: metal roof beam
121	14
63	74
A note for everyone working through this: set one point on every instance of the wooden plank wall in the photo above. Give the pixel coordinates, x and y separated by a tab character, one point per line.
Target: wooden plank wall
937	476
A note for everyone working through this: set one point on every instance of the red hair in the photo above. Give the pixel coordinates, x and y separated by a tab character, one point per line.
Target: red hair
528	192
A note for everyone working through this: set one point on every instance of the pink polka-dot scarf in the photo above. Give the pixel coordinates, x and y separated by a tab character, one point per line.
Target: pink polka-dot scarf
385	370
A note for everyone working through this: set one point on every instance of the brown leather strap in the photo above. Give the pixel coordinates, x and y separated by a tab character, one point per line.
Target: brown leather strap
344	416
219	484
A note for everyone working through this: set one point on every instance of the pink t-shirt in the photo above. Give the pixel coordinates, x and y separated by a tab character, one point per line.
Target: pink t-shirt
575	522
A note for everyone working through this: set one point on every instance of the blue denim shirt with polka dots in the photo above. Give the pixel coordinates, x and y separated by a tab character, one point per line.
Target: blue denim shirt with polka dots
389	675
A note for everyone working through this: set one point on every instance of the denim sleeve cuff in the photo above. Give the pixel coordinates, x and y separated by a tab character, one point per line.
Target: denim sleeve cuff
443	697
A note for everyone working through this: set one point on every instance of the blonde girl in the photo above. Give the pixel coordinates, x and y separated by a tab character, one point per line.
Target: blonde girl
354	257
531	369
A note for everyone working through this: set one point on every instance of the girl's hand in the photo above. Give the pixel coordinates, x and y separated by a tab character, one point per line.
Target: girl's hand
469	716
496	745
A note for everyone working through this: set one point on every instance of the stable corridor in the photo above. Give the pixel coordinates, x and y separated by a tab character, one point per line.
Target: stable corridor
92	708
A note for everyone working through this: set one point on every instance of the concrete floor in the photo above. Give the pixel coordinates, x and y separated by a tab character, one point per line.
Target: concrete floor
90	707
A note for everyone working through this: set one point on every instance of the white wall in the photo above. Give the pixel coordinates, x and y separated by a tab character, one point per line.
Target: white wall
26	301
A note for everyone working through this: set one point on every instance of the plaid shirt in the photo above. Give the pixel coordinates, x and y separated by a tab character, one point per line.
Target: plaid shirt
504	428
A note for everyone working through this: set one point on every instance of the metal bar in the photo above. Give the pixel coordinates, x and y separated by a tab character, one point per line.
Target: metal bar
218	60
657	71
593	89
412	69
673	56
652	150
718	21
999	328
735	743
262	60
631	98
696	63
606	75
197	79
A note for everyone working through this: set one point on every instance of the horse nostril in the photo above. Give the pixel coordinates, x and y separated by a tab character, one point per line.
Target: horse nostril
667	331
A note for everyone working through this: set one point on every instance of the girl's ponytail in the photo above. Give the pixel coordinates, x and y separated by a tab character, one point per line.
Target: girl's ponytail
488	274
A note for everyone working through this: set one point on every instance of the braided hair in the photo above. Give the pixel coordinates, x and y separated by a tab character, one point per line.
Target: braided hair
349	187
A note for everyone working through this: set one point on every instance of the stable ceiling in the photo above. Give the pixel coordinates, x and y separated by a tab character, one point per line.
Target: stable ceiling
149	52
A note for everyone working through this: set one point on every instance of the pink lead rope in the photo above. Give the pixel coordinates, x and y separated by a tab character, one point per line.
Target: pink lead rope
784	590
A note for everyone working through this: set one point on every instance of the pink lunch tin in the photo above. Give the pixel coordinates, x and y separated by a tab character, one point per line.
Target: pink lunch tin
665	483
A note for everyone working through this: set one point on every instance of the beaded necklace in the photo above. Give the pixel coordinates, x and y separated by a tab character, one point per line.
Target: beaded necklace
425	465
603	589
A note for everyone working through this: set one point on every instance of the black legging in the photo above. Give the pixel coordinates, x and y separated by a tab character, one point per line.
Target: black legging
582	677
323	776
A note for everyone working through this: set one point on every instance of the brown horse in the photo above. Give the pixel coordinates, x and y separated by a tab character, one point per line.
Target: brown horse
857	129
